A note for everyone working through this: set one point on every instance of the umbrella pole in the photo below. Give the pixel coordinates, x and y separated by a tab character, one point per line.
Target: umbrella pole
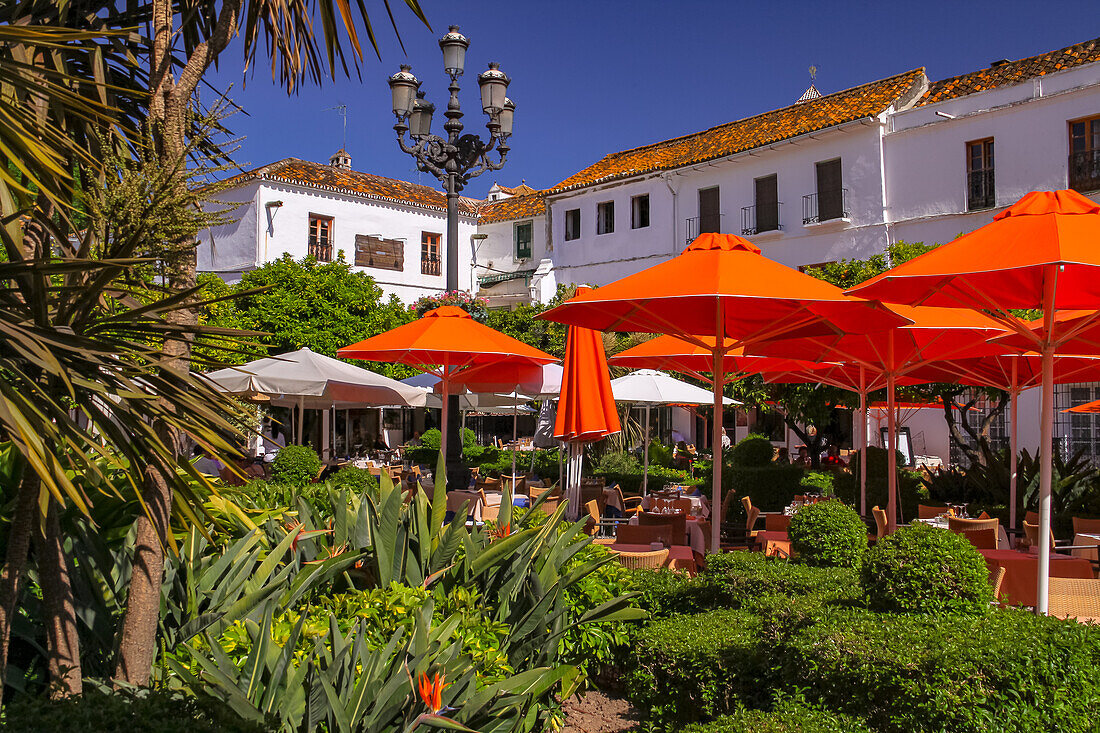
1015	396
301	417
891	455
1046	452
863	440
645	464
445	391
515	413
718	372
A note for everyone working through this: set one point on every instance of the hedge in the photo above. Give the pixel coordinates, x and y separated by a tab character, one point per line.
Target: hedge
828	534
659	477
770	487
788	719
911	491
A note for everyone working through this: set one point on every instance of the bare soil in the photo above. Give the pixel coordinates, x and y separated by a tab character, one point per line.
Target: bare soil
597	712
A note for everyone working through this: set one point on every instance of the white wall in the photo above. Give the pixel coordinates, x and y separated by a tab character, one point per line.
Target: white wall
259	238
498	250
926	153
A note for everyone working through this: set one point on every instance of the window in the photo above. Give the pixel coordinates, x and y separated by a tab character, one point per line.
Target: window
605	217
523	240
766	199
639	211
379	253
710	216
830	191
320	238
572	224
430	261
980	190
1084	154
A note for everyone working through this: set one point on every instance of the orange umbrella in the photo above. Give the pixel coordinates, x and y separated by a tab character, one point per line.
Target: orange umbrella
1039	253
586	406
1089	408
722	287
444	342
697	359
933	334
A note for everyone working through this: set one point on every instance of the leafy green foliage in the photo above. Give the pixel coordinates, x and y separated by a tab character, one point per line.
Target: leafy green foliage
433	438
122	711
354	480
828	534
295	465
771	487
822	482
476	307
753	450
911	491
1075	482
520	323
787	718
306	303
924	569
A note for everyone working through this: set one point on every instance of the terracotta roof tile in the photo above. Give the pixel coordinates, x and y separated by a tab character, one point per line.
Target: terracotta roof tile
752	132
356	183
515	207
1013	72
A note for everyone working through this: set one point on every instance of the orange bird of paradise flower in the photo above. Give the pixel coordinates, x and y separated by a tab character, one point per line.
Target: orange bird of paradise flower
431	691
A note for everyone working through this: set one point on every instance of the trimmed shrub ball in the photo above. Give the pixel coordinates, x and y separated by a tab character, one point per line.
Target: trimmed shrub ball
295	465
753	450
923	569
355	480
828	534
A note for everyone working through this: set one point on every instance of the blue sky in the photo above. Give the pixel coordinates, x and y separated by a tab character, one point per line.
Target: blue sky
590	78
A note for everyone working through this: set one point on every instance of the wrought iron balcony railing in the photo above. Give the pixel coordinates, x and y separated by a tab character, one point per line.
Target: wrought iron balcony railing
825	205
981	191
697	225
757	219
1084	171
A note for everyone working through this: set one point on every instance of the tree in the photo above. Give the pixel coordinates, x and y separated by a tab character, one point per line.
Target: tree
305	304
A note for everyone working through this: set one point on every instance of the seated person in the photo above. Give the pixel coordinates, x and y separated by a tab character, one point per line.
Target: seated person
783	456
379	444
832	458
681	458
803	458
204	464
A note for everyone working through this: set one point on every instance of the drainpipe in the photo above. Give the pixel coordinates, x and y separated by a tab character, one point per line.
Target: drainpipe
667	178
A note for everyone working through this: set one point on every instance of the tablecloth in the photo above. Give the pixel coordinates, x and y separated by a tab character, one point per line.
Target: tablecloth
699	504
941	522
1022	569
680	557
696	531
455	500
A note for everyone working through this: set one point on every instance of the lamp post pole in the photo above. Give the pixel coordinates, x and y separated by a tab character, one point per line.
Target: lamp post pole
454	159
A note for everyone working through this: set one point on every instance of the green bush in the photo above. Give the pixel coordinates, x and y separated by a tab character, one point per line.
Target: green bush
771	487
356	480
617	462
911	491
296	465
822	482
828	534
925	569
660	454
788	718
753	450
689	668
1008	670
740	578
631	481
433	438
148	711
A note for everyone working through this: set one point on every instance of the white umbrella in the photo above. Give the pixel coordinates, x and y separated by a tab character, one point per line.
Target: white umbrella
650	387
314	381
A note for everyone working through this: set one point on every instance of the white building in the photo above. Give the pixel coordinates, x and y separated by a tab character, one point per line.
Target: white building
393	230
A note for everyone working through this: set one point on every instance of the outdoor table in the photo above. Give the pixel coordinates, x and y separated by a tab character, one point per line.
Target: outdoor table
680	557
695	533
774	543
611	497
941	522
699	505
1022	568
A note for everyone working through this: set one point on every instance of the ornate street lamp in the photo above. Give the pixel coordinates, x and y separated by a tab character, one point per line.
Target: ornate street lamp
455	158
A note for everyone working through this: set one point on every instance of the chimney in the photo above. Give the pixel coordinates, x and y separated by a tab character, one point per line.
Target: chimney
340	159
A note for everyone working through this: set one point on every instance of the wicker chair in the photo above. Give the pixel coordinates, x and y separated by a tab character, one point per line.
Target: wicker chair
1076	598
996	579
751	514
881	522
956	524
594	517
643	560
630	504
594	492
930	512
982	539
1031	517
1031	531
678	522
643	534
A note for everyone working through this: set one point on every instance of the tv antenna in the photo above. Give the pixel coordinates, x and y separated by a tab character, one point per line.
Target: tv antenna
342	110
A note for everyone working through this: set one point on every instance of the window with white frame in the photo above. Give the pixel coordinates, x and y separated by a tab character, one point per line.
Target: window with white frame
605	217
639	211
572	224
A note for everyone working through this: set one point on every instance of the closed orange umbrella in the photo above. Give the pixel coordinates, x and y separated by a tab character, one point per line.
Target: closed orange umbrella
444	342
1041	253
586	406
722	287
1089	408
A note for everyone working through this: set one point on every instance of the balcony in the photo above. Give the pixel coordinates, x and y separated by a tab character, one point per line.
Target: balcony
697	225
981	193
825	206
760	219
320	251
431	264
1084	171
